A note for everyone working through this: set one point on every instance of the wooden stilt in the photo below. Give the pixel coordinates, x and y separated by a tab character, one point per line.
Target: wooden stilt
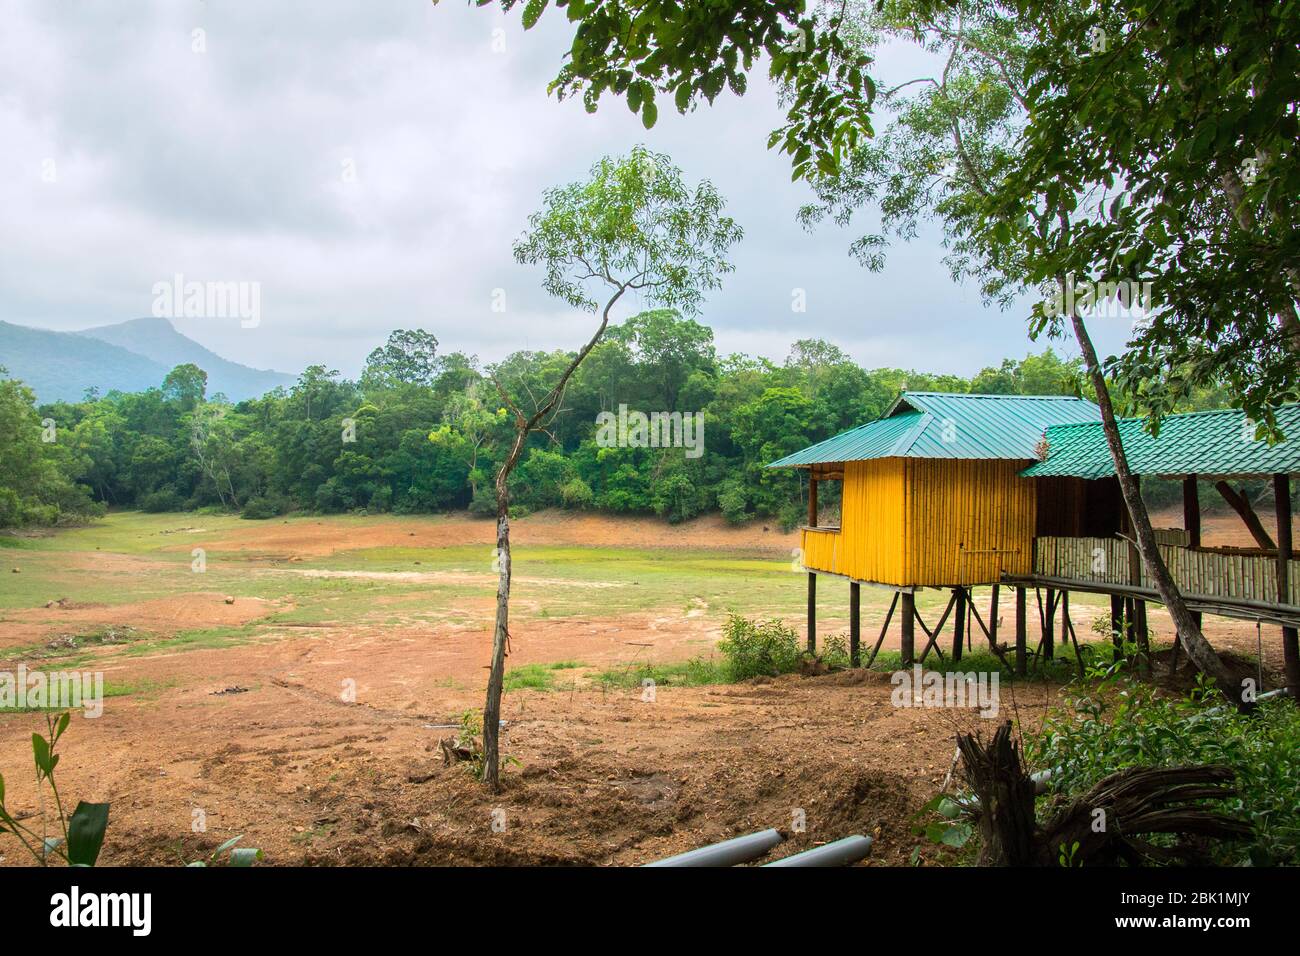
959	625
1290	640
855	623
907	643
933	635
883	631
1021	635
1117	623
993	616
1049	626
1067	630
989	629
812	578
812	613
1143	636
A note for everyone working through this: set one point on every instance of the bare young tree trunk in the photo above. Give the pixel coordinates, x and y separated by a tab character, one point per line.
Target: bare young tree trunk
1198	648
501	632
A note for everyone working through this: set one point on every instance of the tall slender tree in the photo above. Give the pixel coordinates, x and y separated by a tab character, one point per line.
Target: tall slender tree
633	227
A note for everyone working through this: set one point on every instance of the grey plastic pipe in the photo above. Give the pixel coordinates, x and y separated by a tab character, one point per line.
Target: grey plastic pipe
739	849
840	853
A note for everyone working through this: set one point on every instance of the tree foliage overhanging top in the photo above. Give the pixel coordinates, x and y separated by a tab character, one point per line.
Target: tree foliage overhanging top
692	49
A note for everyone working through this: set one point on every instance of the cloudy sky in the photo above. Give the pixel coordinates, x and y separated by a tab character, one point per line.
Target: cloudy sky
370	164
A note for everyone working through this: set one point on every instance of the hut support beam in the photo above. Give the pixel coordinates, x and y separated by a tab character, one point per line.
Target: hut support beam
1021	633
1241	505
1117	623
855	624
812	612
907	642
1192	525
812	578
933	636
1049	626
1290	643
959	623
883	630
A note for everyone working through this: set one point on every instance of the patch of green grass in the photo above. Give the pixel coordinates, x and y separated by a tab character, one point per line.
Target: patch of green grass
201	639
696	672
536	676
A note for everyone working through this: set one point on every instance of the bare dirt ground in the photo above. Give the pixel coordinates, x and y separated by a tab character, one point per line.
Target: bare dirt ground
264	738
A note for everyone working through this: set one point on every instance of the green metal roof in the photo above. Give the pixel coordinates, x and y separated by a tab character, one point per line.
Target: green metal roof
1216	444
949	425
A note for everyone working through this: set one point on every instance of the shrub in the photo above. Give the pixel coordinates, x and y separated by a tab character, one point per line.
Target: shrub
835	651
1122	723
732	501
752	648
261	508
577	494
484	502
165	499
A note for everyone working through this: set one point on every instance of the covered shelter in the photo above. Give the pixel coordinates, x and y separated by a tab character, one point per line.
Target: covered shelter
1221	447
932	496
954	491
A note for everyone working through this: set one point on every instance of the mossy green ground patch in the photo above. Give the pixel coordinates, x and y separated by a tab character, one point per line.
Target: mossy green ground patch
129	557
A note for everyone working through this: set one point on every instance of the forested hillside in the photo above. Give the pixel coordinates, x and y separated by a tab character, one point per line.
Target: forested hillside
421	431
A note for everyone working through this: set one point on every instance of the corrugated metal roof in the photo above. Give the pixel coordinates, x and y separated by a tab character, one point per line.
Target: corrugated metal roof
1216	444
949	425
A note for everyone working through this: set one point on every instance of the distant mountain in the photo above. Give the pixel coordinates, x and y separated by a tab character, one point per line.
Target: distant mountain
129	357
158	341
62	365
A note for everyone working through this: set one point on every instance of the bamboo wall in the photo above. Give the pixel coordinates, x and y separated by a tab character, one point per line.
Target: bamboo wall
969	521
912	521
1223	573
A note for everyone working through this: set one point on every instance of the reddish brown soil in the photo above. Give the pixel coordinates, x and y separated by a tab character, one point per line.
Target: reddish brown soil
547	527
259	738
606	778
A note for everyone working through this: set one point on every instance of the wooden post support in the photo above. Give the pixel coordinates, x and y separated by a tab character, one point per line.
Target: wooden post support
1192	511
993	616
1290	643
1064	601
1143	635
1241	504
907	643
812	612
812	578
1049	626
1117	623
855	624
959	623
1021	636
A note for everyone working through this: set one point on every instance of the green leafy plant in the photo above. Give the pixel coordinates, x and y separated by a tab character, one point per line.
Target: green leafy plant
756	648
1116	721
941	821
82	833
239	856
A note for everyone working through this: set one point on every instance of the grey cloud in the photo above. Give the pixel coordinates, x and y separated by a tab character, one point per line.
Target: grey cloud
229	165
